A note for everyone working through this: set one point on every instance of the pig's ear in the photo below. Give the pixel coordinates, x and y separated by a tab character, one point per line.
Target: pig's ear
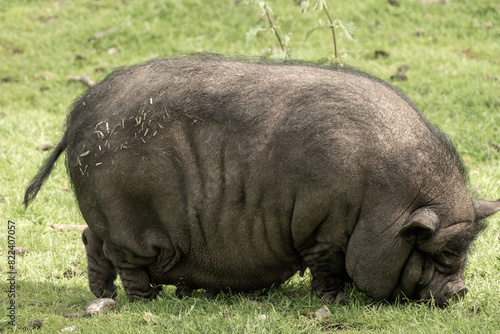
485	209
421	224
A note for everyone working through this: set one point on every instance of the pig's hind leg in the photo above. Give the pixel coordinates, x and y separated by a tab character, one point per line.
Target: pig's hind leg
101	271
327	265
133	273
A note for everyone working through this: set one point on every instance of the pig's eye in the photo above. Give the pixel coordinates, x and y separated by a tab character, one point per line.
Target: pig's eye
447	261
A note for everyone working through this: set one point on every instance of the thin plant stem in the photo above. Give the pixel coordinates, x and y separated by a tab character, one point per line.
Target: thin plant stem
274	30
332	26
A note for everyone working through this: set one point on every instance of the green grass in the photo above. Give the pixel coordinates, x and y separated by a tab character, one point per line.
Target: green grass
452	51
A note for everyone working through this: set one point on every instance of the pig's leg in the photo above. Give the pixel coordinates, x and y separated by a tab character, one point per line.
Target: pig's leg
137	284
133	273
327	265
101	271
182	291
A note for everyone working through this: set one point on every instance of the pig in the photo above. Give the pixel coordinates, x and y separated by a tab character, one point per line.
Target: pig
206	172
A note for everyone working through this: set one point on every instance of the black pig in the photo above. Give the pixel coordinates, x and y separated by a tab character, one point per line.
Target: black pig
213	173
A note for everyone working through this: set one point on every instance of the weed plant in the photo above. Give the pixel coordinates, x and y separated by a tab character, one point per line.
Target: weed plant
448	56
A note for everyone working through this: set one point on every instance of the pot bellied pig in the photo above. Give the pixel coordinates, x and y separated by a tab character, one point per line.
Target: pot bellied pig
214	173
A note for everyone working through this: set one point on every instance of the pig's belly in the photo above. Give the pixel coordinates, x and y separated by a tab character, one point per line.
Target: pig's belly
236	276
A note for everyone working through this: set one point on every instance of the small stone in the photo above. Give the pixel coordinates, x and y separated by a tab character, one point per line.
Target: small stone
18	250
101	306
72	328
381	53
399	77
403	68
36	324
45	146
113	51
323	313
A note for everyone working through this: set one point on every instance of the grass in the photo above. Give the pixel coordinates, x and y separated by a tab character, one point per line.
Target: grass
450	47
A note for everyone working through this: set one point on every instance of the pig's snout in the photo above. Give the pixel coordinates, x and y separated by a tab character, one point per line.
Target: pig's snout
456	291
459	294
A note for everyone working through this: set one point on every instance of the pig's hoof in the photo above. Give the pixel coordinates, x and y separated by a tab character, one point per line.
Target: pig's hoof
104	291
209	293
335	297
182	291
149	294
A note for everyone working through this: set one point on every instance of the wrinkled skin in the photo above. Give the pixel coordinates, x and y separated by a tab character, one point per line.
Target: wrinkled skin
219	174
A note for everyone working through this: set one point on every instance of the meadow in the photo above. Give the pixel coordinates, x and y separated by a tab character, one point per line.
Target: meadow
444	54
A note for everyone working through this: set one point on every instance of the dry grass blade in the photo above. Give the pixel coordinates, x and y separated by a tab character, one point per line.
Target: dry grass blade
61	227
83	79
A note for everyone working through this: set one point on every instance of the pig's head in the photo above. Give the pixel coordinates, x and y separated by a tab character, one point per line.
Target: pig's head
421	258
